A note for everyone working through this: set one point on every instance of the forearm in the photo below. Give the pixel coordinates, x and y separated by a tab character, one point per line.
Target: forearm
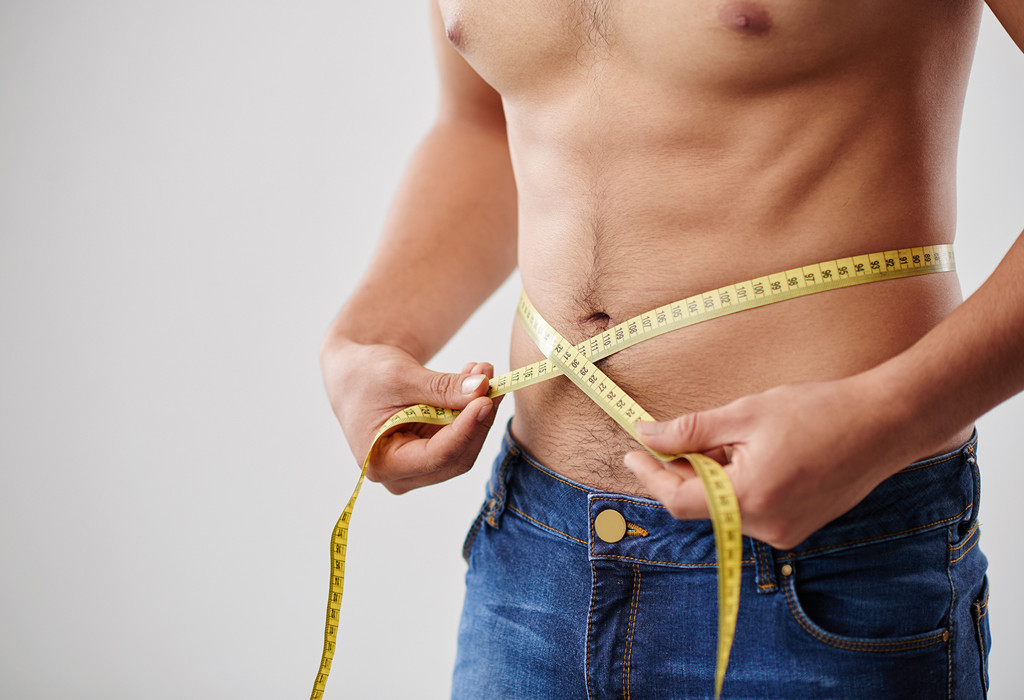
448	243
962	368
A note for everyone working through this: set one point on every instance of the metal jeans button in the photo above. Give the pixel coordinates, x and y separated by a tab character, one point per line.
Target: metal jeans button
610	526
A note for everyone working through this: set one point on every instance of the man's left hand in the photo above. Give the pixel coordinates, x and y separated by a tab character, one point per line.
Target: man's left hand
798	455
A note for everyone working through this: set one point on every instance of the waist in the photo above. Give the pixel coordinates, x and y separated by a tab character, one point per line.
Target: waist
938	492
814	338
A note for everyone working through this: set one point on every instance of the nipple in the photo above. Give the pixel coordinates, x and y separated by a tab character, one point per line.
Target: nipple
453	28
745	18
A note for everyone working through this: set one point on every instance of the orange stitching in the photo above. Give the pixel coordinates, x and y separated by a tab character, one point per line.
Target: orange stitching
498	494
670	563
502	486
976	541
982	606
634	529
759	551
590	618
966	539
760	562
949	647
555	476
928	464
636	503
979	605
512	507
791	555
628	660
639	580
629	628
857	646
468	548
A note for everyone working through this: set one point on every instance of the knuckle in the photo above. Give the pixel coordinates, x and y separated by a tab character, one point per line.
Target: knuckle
396	488
440	385
458	468
685	427
461	448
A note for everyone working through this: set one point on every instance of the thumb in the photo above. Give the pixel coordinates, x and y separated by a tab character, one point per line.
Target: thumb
692	432
447	390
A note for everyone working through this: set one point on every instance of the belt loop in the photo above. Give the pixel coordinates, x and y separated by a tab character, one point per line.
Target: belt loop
497	487
764	567
972	462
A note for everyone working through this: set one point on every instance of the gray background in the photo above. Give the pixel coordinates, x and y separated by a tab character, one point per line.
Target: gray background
188	192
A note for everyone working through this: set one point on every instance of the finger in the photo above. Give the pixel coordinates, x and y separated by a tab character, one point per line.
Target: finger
722	455
692	432
485	368
442	389
679	466
406	461
682	497
446	469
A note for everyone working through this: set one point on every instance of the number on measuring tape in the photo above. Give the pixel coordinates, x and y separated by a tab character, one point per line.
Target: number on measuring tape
576	363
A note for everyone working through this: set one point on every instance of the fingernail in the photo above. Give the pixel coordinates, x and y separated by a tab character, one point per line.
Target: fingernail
628	460
483	413
649	427
471	384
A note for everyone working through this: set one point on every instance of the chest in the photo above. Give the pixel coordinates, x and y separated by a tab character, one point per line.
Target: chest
519	44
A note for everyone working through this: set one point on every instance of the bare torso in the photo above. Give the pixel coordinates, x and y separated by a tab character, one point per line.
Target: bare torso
665	148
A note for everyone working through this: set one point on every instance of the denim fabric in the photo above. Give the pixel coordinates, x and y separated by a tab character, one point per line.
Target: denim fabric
887	601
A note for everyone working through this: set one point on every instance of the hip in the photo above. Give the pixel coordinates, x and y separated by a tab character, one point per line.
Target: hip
888	600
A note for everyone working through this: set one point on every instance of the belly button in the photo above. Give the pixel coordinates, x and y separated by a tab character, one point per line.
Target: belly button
600	321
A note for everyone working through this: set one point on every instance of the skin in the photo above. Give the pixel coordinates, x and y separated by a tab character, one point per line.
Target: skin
625	155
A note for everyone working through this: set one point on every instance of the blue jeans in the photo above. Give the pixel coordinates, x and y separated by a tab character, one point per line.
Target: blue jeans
887	601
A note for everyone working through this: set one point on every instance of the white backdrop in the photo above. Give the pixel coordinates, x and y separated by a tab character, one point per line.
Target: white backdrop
188	192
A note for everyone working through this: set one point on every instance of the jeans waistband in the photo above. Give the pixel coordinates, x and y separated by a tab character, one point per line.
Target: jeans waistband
926	495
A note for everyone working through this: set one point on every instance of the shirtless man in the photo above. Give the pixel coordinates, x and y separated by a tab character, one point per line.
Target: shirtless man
626	155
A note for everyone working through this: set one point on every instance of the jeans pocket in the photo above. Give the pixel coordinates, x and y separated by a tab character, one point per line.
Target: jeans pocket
888	597
979	611
880	644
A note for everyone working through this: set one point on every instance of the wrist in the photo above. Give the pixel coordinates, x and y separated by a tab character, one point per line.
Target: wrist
915	415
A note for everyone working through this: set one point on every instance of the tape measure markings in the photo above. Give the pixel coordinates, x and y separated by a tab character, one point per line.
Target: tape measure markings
721	499
725	518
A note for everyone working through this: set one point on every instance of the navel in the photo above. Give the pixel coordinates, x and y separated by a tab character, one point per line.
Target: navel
746	18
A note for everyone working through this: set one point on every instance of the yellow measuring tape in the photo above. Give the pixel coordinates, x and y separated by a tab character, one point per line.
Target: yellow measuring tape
577	363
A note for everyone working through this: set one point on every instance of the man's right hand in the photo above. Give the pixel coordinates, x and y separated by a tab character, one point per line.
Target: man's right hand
367	384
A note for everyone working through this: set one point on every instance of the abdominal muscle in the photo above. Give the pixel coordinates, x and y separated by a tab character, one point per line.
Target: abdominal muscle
628	202
815	338
661	153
